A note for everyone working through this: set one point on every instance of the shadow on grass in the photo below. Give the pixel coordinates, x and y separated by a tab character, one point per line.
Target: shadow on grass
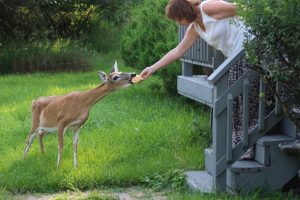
38	172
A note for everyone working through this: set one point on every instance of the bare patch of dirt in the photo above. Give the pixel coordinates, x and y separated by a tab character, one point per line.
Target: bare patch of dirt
105	194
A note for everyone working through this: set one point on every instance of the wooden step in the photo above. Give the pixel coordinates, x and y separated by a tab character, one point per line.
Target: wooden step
245	176
290	147
196	87
283	167
265	145
200	180
274	139
247	166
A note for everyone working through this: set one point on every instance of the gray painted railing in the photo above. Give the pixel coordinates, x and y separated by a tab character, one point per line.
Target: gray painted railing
224	153
223	96
201	53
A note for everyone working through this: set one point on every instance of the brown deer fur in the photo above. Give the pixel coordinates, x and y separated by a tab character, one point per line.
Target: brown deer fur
71	110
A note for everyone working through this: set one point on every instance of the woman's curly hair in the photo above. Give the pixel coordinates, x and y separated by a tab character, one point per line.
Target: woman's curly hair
181	9
184	10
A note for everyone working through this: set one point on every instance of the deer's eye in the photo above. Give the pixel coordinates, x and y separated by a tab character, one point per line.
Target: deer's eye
115	78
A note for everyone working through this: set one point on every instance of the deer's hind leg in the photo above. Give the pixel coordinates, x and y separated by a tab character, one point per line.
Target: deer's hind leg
29	142
36	111
41	135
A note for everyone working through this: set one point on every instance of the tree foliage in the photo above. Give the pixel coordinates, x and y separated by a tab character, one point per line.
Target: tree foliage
29	29
148	36
275	50
56	19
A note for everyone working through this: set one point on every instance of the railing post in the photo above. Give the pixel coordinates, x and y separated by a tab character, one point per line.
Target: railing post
229	127
245	112
261	112
219	136
187	69
217	58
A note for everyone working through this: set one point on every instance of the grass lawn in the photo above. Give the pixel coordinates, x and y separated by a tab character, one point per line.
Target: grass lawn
130	135
134	137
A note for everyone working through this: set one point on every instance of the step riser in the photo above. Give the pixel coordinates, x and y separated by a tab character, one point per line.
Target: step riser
209	164
283	168
262	154
288	128
245	182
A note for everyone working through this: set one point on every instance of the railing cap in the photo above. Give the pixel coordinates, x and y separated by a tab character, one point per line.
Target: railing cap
224	67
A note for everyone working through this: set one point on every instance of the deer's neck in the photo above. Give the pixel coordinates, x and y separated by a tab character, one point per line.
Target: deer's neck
92	96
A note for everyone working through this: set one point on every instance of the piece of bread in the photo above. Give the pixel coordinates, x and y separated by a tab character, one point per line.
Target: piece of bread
136	79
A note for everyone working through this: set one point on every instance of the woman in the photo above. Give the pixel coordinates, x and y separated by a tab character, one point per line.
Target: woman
213	20
217	23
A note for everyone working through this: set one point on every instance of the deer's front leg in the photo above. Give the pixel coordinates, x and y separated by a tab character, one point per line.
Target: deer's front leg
60	136
75	142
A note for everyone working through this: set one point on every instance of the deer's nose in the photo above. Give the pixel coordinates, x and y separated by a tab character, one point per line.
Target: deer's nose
133	75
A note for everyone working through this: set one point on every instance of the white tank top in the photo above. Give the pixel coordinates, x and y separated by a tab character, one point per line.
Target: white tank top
226	35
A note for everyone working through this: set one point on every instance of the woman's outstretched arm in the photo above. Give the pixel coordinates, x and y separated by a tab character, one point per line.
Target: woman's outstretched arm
189	38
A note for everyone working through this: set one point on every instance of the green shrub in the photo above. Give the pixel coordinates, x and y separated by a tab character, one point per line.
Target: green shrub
173	179
60	55
148	36
275	51
4	195
103	36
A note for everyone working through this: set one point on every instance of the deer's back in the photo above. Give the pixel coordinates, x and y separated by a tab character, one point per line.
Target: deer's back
60	109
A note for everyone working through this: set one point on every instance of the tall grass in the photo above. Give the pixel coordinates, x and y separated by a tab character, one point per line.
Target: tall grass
131	134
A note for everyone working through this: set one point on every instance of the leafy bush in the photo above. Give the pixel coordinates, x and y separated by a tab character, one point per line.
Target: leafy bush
148	36
103	36
60	55
275	50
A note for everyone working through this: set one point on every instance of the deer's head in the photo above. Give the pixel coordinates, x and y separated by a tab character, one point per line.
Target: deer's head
116	79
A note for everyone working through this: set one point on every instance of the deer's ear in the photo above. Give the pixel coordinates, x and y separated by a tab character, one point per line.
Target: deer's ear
115	67
103	76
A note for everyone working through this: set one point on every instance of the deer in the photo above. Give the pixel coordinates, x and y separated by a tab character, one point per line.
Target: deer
71	111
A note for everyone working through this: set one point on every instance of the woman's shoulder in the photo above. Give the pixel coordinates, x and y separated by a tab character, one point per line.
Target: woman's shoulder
218	9
208	2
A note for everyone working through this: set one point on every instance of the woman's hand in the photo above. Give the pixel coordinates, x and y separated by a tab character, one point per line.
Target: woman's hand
147	72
